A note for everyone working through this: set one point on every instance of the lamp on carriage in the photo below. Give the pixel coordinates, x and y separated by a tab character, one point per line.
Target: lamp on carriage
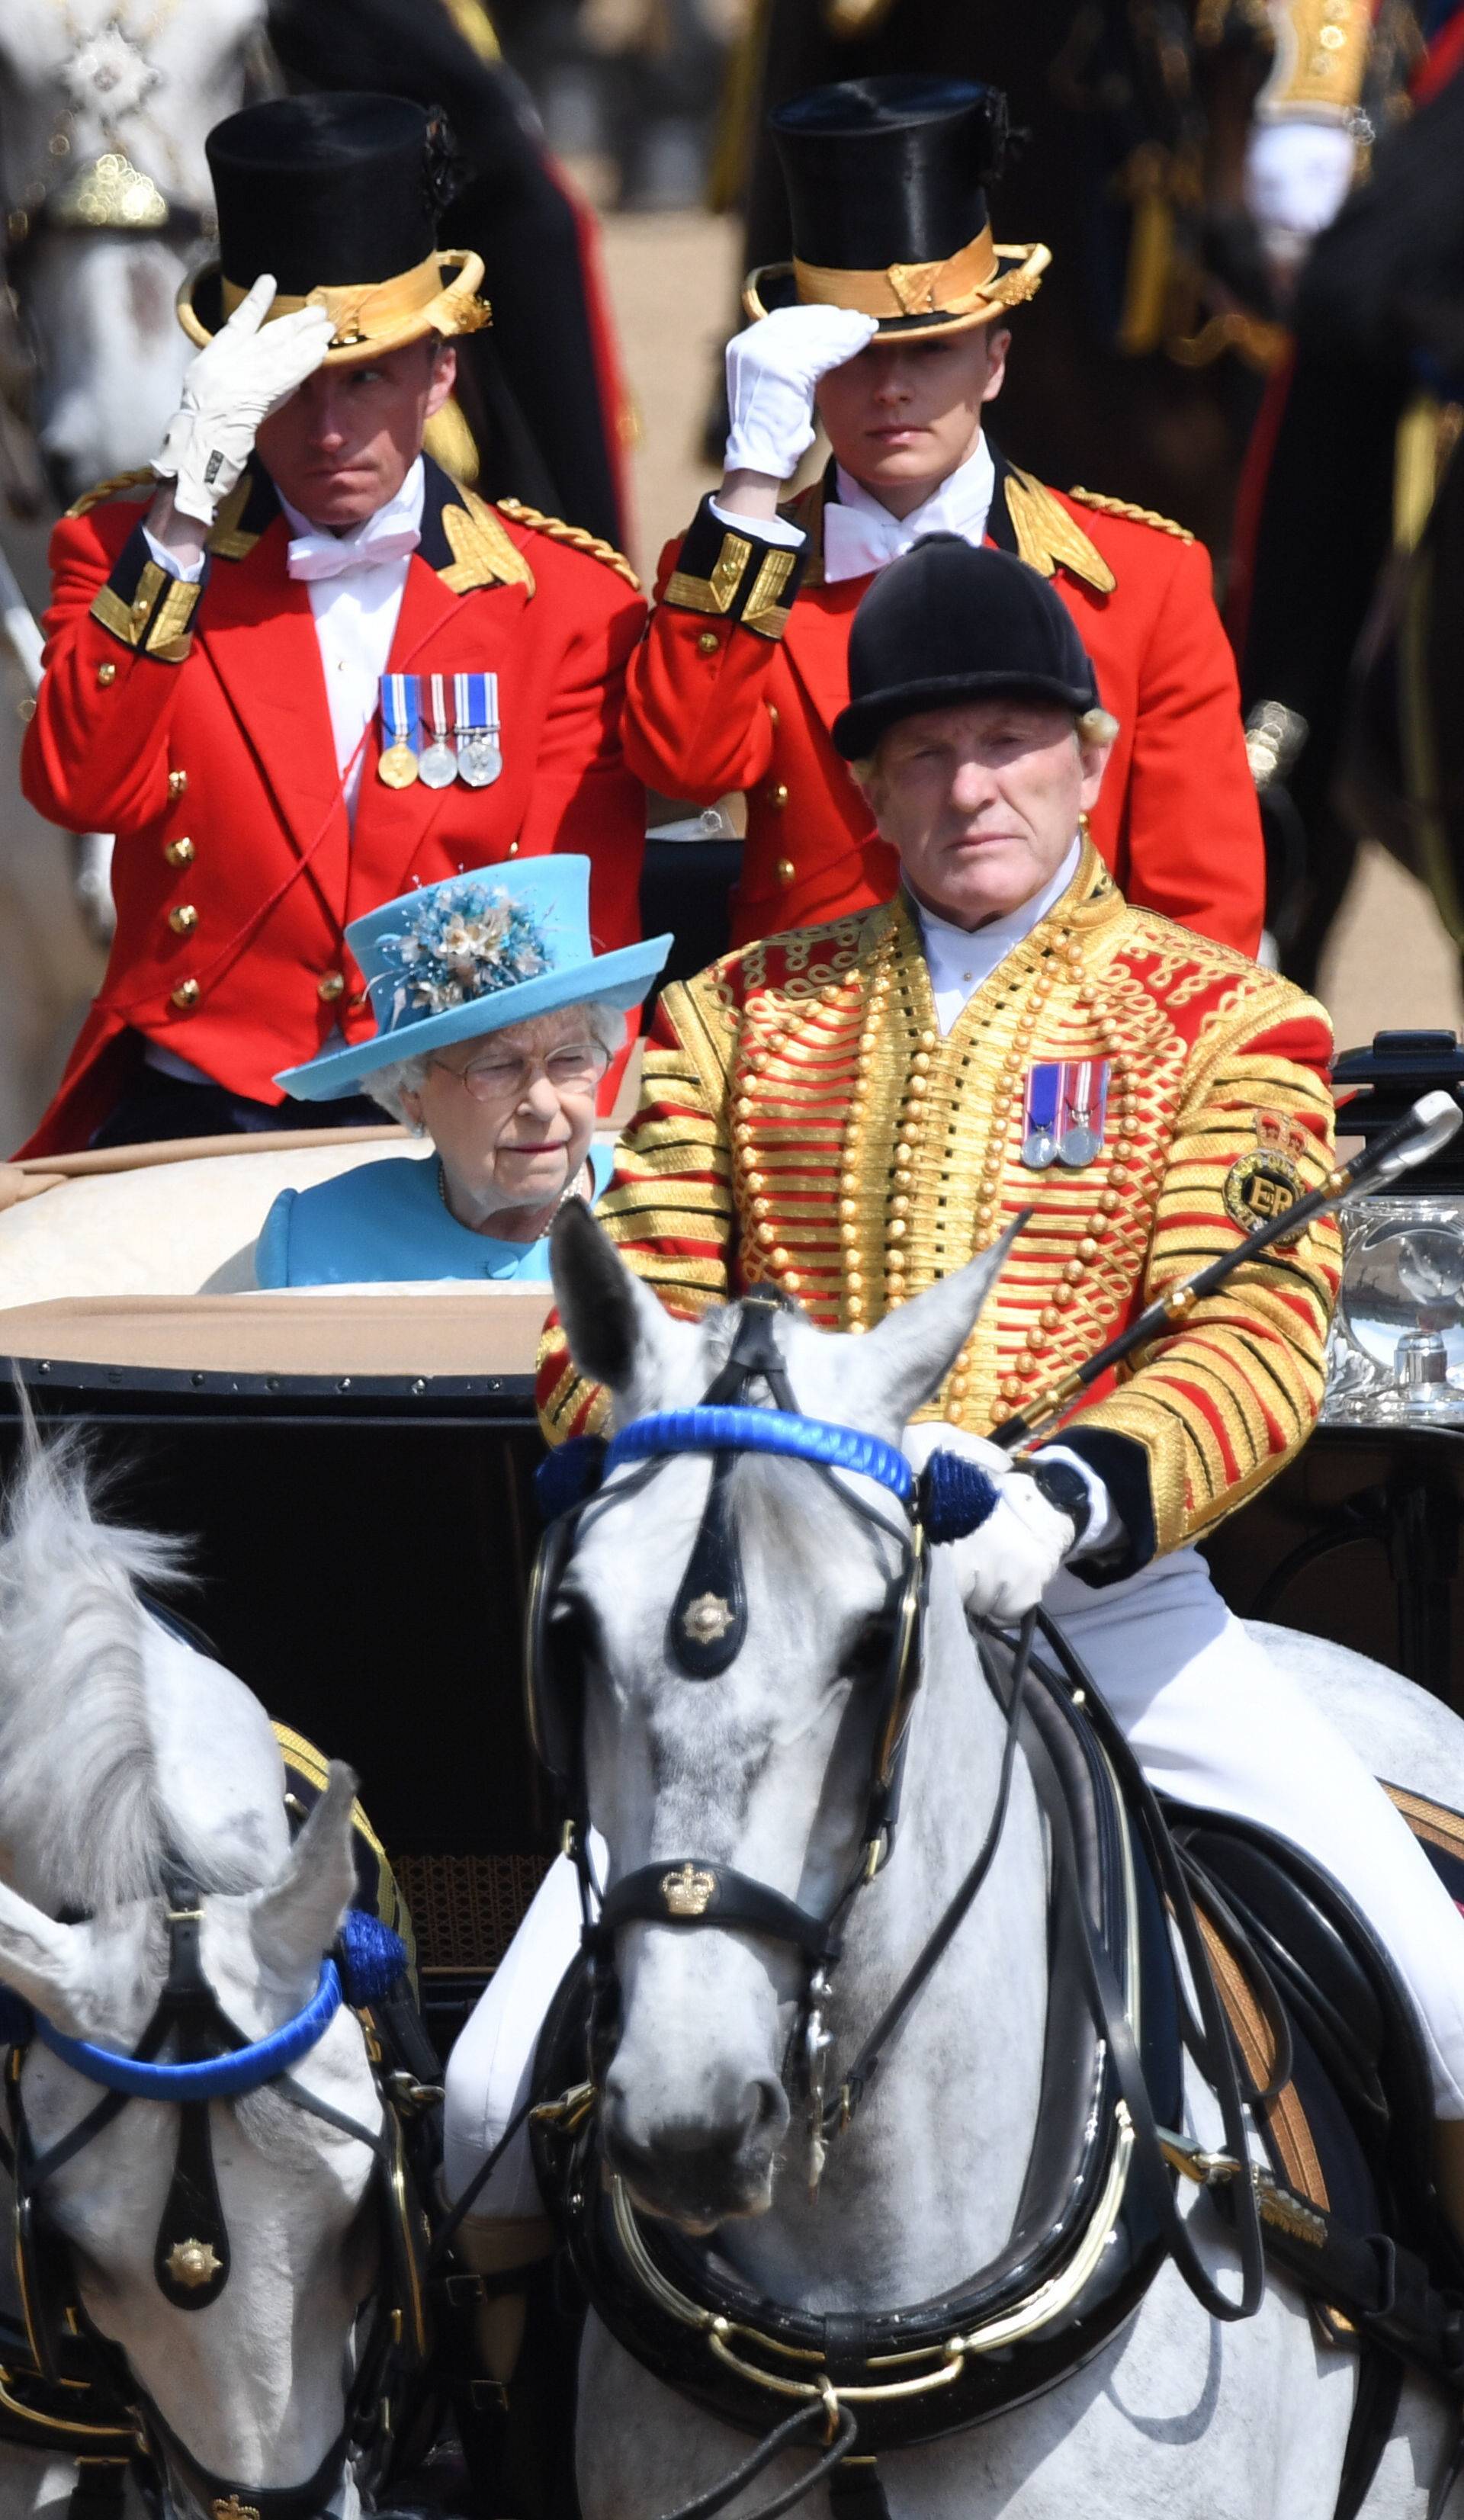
1396	1351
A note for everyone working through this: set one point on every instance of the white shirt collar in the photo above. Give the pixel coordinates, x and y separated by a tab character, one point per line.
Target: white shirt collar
960	959
403	511
861	534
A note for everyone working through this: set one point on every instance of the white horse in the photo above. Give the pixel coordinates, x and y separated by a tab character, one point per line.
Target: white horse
103	115
124	1753
763	1772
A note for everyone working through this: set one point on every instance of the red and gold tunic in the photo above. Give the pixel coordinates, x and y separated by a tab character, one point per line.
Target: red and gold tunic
803	1122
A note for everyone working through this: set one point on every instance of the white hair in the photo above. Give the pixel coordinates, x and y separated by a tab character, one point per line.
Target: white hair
388	1085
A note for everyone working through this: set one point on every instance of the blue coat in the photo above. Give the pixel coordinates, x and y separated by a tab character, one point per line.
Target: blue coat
388	1220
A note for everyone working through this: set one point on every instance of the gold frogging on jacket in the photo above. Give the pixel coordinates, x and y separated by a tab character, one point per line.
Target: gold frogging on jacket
805	1123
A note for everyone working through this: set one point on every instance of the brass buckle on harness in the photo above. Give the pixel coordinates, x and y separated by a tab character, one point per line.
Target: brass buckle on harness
568	2111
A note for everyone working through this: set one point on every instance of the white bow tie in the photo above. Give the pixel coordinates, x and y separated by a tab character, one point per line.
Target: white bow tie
315	556
855	543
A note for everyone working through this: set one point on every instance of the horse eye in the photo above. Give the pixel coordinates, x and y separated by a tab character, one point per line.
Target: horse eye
573	1630
868	1658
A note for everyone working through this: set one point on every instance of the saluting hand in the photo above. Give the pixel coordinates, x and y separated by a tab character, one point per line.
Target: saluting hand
773	372
247	370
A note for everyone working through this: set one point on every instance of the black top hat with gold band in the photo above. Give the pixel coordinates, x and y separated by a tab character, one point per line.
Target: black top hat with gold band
887	188
339	197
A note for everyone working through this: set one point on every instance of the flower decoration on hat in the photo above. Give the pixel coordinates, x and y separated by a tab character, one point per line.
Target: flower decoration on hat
460	943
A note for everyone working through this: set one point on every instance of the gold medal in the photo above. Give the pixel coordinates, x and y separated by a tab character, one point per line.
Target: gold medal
397	766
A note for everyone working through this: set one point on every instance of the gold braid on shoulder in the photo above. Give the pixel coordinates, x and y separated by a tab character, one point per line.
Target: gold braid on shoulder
577	536
113	489
1106	507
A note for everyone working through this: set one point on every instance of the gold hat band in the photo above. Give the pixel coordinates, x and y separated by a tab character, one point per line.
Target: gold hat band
358	313
950	288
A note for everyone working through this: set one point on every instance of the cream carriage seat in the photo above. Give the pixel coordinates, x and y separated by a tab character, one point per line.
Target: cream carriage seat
179	1218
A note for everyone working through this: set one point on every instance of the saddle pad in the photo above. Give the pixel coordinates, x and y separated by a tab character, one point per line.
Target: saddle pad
1287	2126
1299	2146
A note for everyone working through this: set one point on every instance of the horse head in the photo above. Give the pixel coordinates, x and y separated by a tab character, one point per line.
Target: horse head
217	2231
734	1626
105	193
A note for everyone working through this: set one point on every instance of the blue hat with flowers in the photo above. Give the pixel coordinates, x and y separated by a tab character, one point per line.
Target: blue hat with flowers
471	955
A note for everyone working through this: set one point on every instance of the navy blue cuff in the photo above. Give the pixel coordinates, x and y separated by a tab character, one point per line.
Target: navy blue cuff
1123	1467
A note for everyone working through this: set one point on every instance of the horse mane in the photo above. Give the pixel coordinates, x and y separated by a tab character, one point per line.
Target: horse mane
82	1826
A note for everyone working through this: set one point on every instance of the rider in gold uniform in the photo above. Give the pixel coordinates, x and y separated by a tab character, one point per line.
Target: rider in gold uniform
848	1113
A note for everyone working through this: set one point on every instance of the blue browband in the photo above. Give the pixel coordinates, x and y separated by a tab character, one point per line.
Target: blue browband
213	2078
727	1430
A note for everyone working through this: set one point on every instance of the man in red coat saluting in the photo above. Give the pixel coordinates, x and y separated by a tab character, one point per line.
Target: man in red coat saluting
891	323
297	668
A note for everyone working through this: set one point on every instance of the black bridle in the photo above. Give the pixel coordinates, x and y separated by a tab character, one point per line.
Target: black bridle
211	2060
706	1631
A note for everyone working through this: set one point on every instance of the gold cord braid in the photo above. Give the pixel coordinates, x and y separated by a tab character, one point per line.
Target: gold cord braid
111	490
578	536
1106	507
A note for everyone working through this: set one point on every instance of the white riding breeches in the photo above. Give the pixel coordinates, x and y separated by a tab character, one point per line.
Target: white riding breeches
1214	1721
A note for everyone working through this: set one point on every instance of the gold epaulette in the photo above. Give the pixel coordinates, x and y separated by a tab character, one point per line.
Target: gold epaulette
577	536
484	553
113	489
1106	507
1048	537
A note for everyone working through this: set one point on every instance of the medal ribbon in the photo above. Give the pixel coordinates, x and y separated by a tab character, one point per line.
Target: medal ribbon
436	685
1043	1090
1085	1094
402	711
475	701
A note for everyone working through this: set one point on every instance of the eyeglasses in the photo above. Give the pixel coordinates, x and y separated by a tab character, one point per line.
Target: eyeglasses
576	1066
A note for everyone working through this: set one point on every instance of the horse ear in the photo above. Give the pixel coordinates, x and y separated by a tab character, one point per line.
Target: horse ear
297	1919
901	1363
40	1959
619	1333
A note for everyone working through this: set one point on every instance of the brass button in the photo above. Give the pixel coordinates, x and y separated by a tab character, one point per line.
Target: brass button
185	996
708	644
513	848
786	870
778	795
106	674
333	986
183	920
180	852
772	713
177	783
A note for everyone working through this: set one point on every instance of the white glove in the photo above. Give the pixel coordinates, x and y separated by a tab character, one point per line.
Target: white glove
772	371
245	374
1298	175
1004	1567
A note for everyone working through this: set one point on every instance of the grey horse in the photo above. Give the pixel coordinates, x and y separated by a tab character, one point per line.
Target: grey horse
1180	2415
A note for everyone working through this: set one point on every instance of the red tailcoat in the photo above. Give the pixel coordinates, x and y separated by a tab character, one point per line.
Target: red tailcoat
194	724
736	685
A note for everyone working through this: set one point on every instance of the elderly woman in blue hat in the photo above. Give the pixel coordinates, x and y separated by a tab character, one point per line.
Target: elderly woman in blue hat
495	1024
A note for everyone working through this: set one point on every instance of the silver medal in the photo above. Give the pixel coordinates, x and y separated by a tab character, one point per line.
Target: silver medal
1079	1144
437	765
478	760
1040	1150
